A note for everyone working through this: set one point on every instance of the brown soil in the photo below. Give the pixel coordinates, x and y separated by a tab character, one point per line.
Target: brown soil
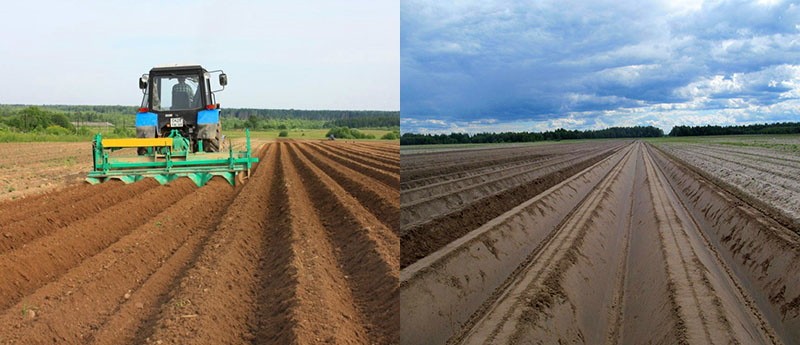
32	168
387	174
634	249
304	253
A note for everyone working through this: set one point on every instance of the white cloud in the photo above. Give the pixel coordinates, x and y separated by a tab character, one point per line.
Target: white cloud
566	122
630	75
709	86
769	3
682	7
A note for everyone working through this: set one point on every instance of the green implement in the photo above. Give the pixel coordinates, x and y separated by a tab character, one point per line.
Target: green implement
166	159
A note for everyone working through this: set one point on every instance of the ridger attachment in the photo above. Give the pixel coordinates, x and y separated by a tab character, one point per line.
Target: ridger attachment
166	159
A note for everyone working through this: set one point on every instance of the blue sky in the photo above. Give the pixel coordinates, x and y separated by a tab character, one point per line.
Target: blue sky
277	54
473	66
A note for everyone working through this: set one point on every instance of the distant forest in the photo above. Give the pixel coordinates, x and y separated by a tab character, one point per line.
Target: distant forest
767	128
232	117
518	137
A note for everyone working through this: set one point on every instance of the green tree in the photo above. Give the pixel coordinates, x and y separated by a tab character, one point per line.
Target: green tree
32	118
62	121
391	136
347	133
253	123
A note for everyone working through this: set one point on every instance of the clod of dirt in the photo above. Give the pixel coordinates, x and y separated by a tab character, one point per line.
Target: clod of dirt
30	314
127	295
139	305
7	235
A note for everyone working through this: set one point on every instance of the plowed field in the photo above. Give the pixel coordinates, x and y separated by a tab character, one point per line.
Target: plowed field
629	247
305	252
445	195
767	178
32	168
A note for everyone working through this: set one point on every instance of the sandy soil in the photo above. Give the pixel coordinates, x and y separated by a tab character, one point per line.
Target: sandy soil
306	252
765	177
479	185
634	249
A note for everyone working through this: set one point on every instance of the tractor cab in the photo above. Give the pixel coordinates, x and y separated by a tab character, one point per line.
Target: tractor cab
180	98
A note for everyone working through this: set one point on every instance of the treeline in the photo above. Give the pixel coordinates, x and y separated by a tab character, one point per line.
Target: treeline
767	128
391	118
379	121
256	123
233	117
116	115
33	119
518	137
40	121
352	133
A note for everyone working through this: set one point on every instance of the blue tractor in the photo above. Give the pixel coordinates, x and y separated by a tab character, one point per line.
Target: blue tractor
177	133
179	98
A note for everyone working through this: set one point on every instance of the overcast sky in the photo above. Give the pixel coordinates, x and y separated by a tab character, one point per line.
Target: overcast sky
472	66
277	54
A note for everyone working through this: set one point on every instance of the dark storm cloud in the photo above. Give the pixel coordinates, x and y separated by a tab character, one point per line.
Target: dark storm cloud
592	64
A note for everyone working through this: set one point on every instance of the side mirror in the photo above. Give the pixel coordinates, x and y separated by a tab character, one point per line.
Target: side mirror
223	79
142	83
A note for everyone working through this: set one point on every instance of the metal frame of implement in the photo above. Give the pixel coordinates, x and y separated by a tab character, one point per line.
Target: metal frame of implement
167	159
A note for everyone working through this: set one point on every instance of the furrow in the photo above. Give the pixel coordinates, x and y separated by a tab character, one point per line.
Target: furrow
761	154
240	278
389	176
421	240
326	310
365	153
638	248
366	250
758	257
376	162
66	212
777	177
446	292
538	288
369	153
708	298
420	211
426	165
419	171
381	200
757	156
427	193
408	185
72	309
45	259
390	149
32	206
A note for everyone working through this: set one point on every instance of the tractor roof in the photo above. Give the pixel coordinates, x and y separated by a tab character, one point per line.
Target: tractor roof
177	67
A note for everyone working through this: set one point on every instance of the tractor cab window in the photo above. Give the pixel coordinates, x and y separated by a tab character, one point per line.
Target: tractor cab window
176	92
